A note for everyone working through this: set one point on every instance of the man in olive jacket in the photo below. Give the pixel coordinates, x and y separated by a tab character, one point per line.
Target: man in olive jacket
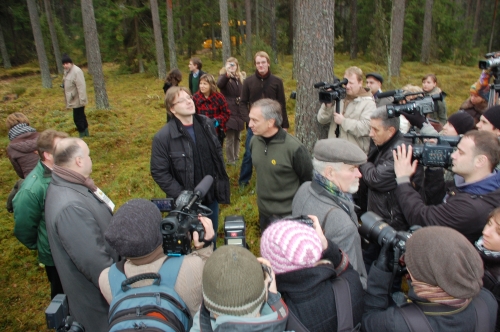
77	214
29	205
75	92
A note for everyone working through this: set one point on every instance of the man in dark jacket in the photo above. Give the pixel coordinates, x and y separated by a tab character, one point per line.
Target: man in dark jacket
185	150
29	207
281	161
260	85
77	214
475	193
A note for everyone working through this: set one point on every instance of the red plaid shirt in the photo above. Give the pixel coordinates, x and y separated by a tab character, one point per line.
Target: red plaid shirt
214	107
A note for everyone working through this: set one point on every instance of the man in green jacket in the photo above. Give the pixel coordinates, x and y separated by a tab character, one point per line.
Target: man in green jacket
29	207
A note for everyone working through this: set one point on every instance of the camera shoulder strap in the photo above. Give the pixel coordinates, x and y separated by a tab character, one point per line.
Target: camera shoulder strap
343	304
415	318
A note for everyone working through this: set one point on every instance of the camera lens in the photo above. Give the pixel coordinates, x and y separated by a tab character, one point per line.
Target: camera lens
375	230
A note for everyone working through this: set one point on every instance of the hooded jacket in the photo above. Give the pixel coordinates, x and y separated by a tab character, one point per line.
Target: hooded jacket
22	153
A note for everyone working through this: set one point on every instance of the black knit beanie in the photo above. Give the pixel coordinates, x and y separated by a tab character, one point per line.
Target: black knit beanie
441	256
134	230
233	282
66	59
462	122
493	116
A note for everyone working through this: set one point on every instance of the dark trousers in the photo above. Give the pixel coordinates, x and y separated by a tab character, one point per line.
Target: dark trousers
55	282
246	164
80	119
264	221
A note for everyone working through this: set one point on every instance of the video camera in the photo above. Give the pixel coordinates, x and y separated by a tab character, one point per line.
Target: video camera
56	316
328	93
177	228
433	154
491	62
422	104
373	228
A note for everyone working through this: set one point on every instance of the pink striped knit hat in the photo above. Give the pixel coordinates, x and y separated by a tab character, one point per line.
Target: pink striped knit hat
290	246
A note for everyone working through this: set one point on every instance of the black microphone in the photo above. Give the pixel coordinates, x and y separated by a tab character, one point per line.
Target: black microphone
319	84
387	94
200	190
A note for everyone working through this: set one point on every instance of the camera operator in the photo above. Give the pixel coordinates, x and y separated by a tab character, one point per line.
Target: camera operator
479	97
490	121
355	111
446	287
475	193
134	232
185	150
306	265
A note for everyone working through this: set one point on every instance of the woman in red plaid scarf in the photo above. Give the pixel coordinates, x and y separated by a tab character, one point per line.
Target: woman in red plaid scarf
212	104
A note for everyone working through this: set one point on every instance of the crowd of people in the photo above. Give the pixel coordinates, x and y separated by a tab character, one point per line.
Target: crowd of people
316	273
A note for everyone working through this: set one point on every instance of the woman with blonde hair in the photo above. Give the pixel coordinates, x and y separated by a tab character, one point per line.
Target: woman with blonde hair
230	83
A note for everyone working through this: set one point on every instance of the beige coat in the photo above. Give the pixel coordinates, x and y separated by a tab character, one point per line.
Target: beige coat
356	126
75	90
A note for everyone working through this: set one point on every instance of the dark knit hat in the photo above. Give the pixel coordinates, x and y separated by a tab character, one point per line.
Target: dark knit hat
441	256
480	90
376	76
66	59
462	122
134	230
492	114
233	282
337	150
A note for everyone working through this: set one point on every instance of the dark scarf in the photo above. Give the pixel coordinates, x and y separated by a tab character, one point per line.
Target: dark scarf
263	77
19	129
74	177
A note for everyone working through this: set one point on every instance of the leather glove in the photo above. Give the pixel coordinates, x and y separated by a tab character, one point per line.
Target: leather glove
416	119
385	258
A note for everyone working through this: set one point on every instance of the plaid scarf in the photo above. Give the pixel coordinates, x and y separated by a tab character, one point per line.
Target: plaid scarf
436	294
329	186
489	253
19	129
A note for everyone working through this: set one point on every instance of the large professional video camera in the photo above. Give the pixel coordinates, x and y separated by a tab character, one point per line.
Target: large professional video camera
492	63
374	229
57	317
177	228
422	104
432	154
328	92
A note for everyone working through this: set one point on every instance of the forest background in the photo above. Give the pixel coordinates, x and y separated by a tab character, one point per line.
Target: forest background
308	41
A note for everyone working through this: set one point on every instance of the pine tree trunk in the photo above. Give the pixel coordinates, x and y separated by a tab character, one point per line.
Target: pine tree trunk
257	18
274	42
476	22
170	34
248	38
94	54
40	47
53	36
397	25
3	50
427	33
224	25
290	26
138	42
353	50
160	55
493	25
313	59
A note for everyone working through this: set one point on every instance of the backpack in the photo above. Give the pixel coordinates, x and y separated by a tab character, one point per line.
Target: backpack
152	308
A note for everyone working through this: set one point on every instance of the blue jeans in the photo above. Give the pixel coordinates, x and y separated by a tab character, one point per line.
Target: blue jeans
246	164
214	206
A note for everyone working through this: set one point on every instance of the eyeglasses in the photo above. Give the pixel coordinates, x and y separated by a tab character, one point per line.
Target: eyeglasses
183	100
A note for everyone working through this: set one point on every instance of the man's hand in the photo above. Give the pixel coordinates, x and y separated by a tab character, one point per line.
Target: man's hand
319	231
209	232
338	118
270	278
402	161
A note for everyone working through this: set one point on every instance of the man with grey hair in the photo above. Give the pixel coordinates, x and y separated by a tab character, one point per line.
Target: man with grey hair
281	161
327	196
77	214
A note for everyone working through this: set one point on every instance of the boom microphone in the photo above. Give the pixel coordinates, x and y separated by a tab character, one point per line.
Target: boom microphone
200	190
387	94
319	84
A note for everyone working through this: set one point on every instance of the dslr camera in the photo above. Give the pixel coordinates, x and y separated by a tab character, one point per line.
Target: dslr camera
433	154
178	226
374	229
328	92
56	316
422	105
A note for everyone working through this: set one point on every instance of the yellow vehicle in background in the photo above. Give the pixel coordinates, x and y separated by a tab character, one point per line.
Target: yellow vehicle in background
207	29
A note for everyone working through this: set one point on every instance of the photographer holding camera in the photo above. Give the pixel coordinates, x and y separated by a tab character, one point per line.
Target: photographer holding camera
475	193
355	111
445	289
187	149
134	232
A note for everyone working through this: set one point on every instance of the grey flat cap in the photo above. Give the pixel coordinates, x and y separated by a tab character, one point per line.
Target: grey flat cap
376	76
336	150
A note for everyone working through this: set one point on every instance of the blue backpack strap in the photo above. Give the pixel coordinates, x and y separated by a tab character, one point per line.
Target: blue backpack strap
115	279
170	270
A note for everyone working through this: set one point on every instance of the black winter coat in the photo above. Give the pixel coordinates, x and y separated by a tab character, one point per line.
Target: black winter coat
491	279
172	163
378	174
309	295
230	87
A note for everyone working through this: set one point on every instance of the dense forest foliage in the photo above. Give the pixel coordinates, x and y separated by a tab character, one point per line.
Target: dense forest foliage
460	29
